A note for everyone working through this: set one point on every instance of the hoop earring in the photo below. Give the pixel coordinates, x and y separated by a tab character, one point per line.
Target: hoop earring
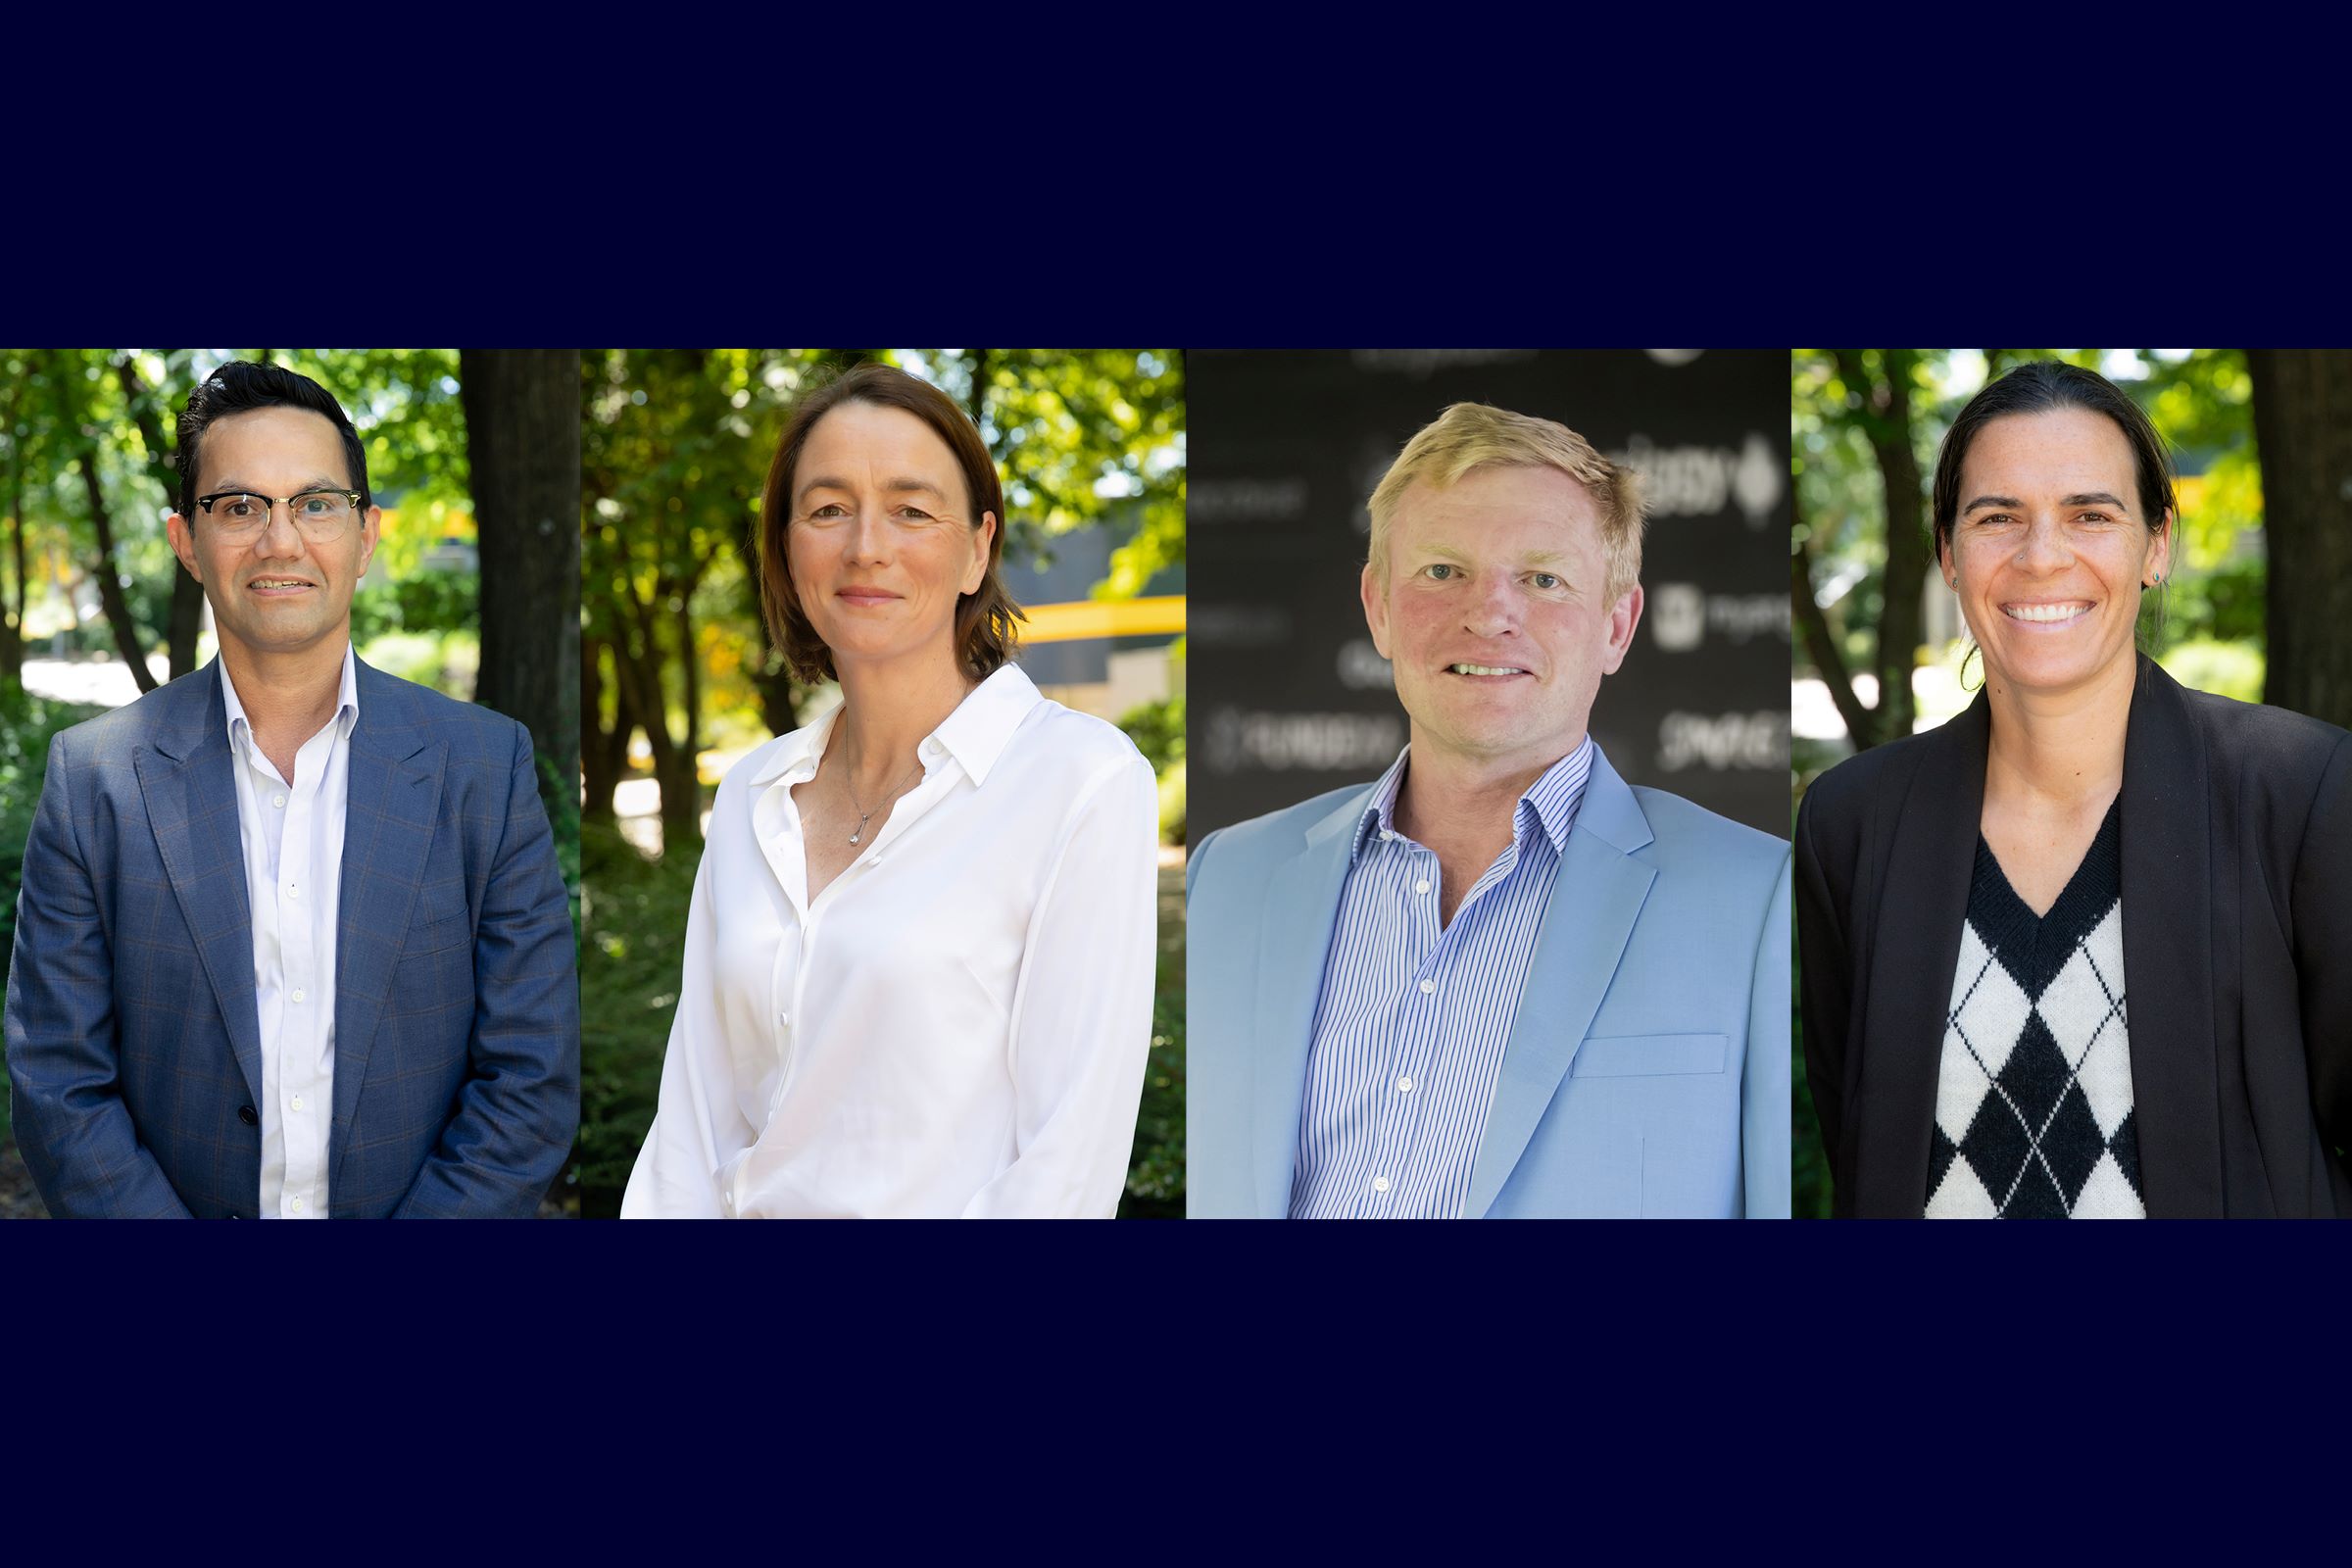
1974	650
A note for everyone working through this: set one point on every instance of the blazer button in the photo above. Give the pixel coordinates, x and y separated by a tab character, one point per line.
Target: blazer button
249	1116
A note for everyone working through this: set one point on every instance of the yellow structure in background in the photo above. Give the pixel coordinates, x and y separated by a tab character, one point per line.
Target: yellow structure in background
1087	617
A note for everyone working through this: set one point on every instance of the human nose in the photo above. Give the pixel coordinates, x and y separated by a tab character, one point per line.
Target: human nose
2044	547
869	537
278	538
1495	609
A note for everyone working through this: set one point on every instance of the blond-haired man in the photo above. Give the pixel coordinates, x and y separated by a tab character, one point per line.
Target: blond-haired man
1498	981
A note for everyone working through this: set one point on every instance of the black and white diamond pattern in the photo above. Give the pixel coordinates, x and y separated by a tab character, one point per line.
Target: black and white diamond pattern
2033	1095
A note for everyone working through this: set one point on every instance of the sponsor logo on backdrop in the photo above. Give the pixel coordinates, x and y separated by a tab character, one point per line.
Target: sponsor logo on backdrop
1281	743
1696	481
1723	742
1681	615
1251	500
1677	613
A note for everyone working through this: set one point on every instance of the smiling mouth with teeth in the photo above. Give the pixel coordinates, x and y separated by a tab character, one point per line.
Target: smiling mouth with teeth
1484	669
2045	614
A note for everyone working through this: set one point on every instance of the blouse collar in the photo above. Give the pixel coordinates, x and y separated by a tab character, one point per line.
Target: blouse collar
976	734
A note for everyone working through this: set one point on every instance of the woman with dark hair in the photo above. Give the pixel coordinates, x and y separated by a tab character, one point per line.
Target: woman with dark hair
2085	949
919	954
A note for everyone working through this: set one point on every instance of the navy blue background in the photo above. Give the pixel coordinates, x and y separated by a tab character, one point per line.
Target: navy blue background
1791	1389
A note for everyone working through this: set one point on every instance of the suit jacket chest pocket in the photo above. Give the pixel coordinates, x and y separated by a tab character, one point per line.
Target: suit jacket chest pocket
1650	1056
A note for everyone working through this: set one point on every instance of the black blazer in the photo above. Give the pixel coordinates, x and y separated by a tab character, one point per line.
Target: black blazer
2238	953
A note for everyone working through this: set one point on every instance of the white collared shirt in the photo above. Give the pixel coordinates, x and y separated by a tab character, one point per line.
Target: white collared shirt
293	842
959	1024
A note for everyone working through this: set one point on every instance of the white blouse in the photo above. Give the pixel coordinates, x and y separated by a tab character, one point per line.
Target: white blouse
958	1024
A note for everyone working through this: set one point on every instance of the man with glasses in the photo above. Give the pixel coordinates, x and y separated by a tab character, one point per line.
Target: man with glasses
291	941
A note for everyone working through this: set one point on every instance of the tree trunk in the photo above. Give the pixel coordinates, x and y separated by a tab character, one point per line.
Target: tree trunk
187	594
523	445
2303	432
107	576
600	758
110	582
12	616
1821	642
1886	421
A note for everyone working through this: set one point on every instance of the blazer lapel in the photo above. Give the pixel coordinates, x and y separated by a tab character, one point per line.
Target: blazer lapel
388	823
1922	907
191	799
1597	896
2167	953
1302	908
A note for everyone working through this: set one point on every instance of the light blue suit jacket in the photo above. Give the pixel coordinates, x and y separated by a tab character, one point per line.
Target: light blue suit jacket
1647	1068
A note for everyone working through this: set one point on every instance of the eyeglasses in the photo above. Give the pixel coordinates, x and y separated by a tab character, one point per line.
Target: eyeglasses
322	516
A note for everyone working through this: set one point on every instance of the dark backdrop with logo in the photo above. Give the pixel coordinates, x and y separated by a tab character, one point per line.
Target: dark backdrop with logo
1290	698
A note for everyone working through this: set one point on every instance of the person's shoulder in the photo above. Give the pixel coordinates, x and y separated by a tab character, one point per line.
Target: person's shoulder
1842	792
111	736
1279	830
2270	737
1067	738
1688	830
469	728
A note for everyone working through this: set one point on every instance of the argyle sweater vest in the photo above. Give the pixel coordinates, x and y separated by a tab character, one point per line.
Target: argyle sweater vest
2033	1095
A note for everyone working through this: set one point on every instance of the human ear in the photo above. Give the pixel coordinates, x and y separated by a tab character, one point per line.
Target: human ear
983	538
183	543
1624	615
1376	608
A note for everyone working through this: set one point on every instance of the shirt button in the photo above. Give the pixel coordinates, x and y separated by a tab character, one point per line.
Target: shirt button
1404	1086
298	992
293	892
296	1205
1421	886
1388	836
1379	1183
278	799
1429	987
297	1102
783	1018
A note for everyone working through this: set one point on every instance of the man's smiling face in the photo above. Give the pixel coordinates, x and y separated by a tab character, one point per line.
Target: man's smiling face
279	591
1495	612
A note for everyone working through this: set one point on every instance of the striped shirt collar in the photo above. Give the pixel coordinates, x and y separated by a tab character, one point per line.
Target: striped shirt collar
240	728
1552	800
976	734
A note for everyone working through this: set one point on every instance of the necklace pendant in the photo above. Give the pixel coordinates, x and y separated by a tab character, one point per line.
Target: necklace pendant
852	838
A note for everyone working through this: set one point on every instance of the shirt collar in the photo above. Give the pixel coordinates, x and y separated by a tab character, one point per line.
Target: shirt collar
974	734
347	708
1553	799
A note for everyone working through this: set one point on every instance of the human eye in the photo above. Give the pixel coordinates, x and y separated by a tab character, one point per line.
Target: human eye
1545	580
317	502
913	513
1440	571
830	509
239	509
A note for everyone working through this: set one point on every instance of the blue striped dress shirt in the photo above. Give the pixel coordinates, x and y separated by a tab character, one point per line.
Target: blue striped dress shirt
1413	1018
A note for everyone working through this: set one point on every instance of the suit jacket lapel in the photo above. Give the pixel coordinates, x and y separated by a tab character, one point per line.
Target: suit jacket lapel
191	799
1922	905
1597	895
1303	907
388	838
2169	901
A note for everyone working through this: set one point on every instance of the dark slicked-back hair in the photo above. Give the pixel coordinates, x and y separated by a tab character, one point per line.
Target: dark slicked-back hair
984	617
2042	388
243	385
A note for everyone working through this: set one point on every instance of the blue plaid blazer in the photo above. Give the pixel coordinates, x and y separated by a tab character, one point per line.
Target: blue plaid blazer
134	1059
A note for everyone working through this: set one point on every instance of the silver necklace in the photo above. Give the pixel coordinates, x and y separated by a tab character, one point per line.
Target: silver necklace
862	813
